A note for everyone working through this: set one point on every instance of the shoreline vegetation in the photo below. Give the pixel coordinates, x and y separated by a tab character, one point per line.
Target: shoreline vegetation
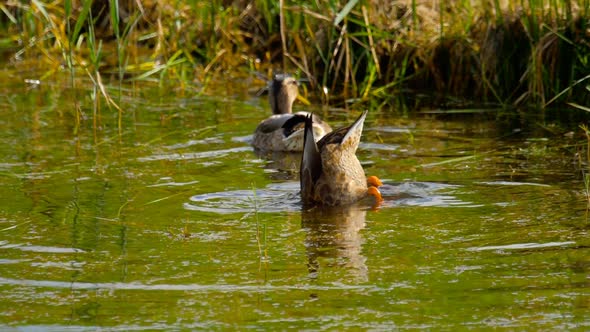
524	53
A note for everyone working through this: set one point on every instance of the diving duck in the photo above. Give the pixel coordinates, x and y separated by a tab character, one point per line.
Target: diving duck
283	131
330	173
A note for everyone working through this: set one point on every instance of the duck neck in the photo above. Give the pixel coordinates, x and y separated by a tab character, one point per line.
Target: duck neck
281	104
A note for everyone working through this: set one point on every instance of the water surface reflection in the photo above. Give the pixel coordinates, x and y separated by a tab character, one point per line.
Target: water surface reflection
335	233
484	223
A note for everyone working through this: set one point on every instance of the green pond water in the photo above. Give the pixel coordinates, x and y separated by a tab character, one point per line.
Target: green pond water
176	223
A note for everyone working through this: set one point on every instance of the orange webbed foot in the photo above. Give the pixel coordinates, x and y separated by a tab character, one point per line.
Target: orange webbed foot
373	181
373	191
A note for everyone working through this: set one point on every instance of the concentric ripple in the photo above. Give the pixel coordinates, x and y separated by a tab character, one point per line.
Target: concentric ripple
284	197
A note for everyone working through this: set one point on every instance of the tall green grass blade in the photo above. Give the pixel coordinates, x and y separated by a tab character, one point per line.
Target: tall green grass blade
114	10
41	7
567	89
173	61
8	14
441	19
81	21
95	50
532	20
345	11
68	10
414	15
130	25
498	9
558	34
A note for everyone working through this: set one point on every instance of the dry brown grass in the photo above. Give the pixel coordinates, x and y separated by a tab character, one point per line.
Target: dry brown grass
486	50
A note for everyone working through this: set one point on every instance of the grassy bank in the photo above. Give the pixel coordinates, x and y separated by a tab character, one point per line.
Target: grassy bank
534	52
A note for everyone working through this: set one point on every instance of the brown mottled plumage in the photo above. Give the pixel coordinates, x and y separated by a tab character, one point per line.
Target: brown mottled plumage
283	131
330	173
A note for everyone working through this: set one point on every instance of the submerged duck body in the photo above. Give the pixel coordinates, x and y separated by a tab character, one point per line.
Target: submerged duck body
330	173
284	131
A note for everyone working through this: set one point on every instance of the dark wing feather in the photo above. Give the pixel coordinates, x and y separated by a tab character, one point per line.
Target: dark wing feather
334	137
272	123
295	123
311	162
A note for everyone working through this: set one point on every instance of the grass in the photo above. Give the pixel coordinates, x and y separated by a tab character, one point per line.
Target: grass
261	235
584	162
533	52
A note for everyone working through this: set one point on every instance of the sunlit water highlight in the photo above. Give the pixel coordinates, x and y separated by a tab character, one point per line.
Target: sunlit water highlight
177	224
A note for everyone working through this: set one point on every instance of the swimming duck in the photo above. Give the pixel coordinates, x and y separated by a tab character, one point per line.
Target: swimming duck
283	131
330	173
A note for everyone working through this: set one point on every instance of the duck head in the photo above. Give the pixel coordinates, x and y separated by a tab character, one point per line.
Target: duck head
282	92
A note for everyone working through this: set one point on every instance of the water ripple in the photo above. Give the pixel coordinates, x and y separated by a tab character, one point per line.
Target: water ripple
194	155
188	144
512	183
519	246
44	249
173	184
421	194
284	197
379	146
277	197
183	287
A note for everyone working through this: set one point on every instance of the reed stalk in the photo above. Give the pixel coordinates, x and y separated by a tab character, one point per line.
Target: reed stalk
531	52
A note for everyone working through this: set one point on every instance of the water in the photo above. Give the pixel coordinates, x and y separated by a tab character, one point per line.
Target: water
177	224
